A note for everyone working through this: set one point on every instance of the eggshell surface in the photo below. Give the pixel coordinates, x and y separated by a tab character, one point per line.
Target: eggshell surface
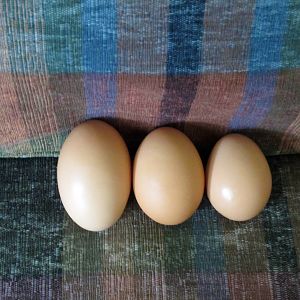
94	175
168	176
239	180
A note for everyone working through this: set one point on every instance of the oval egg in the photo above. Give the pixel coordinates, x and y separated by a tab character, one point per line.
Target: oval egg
239	180
94	175
168	176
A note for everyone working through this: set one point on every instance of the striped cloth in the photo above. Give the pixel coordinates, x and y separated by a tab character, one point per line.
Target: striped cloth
206	67
45	255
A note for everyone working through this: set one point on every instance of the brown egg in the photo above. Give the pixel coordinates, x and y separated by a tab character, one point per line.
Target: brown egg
238	176
168	176
94	175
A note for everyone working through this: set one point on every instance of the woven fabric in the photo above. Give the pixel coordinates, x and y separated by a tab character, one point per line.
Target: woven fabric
43	254
206	67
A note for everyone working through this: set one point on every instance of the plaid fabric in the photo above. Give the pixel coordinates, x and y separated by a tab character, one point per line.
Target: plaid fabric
206	67
43	254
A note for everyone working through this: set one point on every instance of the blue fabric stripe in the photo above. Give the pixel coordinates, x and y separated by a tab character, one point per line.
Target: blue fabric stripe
100	36
100	56
207	228
265	54
100	94
183	57
267	35
210	253
185	36
258	98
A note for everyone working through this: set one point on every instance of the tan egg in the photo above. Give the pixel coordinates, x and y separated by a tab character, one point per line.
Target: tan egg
168	176
94	175
238	176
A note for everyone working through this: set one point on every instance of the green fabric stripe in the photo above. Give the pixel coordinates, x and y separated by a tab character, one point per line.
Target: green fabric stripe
31	219
18	150
279	238
63	35
291	48
290	177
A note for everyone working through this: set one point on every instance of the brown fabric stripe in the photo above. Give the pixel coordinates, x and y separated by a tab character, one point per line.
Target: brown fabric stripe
67	92
37	108
291	140
280	126
250	286
180	92
12	125
217	97
138	104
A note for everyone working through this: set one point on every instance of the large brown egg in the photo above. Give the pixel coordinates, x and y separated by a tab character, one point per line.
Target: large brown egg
168	176
239	180
94	175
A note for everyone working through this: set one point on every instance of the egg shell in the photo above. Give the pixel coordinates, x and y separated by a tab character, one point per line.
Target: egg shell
168	176
94	175
239	180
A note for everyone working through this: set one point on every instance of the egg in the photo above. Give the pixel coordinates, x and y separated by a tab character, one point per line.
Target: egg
168	176
239	180
94	175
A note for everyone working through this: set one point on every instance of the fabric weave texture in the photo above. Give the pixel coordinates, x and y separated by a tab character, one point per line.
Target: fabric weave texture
44	254
206	67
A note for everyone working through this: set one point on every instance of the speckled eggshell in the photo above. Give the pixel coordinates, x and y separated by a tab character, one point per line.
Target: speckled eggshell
238	176
94	175
168	176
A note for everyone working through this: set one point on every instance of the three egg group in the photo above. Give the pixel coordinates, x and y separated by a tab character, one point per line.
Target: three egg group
94	176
